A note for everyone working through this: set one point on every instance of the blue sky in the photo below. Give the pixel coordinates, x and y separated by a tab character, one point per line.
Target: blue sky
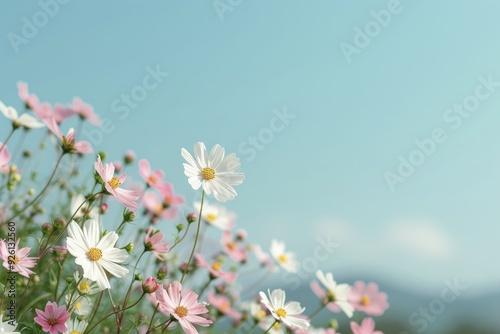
351	118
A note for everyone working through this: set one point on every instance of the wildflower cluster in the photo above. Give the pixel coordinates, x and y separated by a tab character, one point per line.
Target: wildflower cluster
154	267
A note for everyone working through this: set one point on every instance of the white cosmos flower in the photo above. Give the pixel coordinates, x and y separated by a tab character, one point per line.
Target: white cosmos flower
216	215
76	201
75	326
7	327
24	120
216	173
288	314
96	255
285	259
338	293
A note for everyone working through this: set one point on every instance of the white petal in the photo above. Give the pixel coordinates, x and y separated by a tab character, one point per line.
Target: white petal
91	232
113	268
216	156
115	255
200	153
8	112
108	241
30	122
189	158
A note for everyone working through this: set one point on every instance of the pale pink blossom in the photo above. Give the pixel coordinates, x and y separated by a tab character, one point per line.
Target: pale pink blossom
152	178
53	319
232	248
366	298
4	158
223	305
19	260
183	306
153	243
215	269
112	185
85	111
158	209
366	327
30	100
68	142
150	285
264	258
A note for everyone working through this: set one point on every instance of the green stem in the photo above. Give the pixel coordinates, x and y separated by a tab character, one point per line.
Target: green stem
6	140
317	311
152	317
40	193
127	296
274	323
196	238
115	312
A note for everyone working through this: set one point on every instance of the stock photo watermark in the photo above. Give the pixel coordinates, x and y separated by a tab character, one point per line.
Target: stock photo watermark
127	102
323	251
429	313
223	6
30	26
453	117
364	35
253	144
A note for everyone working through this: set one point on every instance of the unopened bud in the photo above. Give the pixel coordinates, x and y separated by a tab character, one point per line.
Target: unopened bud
179	227
129	157
191	217
59	223
129	216
47	228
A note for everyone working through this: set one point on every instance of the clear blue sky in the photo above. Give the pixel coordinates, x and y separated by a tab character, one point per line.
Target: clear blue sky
323	173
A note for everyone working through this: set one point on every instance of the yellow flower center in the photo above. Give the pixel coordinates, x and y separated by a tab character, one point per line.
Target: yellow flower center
216	266
52	321
152	179
84	287
277	326
231	245
114	183
159	208
365	300
225	306
282	258
75	332
261	314
281	313
211	217
181	311
331	296
208	173
14	258
78	305
94	254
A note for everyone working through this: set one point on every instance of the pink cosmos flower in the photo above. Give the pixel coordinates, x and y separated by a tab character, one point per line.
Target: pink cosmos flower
152	242
264	259
367	298
4	158
183	306
53	319
68	142
215	269
366	327
152	178
30	100
20	262
85	111
231	247
112	184
170	199
158	209
223	304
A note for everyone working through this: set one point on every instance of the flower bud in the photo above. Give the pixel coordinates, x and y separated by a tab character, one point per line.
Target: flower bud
162	272
150	285
47	228
102	155
129	248
59	223
103	208
128	216
179	227
129	157
138	277
191	217
334	324
26	154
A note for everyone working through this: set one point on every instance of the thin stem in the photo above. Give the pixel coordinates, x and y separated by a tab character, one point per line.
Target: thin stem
6	140
40	193
196	238
127	296
271	327
115	312
317	311
152	317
